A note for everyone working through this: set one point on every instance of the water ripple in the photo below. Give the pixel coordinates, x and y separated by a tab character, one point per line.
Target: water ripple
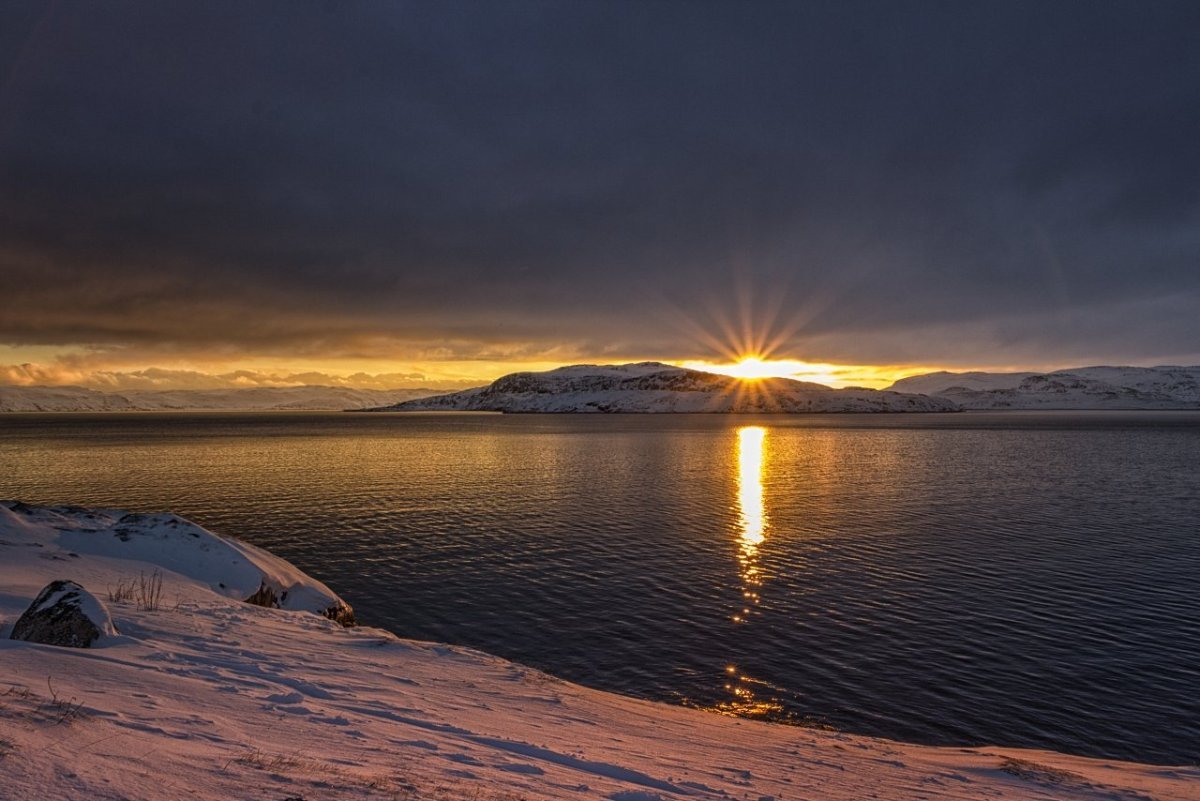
1020	579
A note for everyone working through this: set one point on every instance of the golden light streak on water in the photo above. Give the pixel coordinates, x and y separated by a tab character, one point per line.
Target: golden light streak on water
752	517
753	524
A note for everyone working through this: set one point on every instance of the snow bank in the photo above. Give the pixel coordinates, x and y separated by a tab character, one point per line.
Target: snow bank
165	541
211	698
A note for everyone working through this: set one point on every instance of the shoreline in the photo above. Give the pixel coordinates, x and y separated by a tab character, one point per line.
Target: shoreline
481	413
219	697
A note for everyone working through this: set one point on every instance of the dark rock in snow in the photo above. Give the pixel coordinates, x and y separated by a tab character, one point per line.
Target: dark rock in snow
64	614
268	596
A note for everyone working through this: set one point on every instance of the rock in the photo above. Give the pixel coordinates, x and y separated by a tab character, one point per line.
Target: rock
64	614
266	595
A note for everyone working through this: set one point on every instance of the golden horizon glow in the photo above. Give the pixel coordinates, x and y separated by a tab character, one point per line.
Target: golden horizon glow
755	367
77	365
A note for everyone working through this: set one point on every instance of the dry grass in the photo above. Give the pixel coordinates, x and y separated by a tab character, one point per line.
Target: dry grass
19	702
145	591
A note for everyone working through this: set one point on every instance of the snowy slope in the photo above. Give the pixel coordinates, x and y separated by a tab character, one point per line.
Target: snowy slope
61	399
227	566
1076	388
932	383
212	699
654	387
80	399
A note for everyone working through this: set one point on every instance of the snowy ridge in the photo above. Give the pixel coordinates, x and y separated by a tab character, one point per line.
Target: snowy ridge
314	398
650	387
210	698
933	383
227	566
1077	388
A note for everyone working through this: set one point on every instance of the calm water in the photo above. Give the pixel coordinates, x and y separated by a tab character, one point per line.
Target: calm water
1023	579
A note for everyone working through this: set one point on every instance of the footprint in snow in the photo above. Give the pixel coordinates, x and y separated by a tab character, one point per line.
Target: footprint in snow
465	759
531	770
416	744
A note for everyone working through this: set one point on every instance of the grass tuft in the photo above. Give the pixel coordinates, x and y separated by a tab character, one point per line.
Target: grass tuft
19	702
145	591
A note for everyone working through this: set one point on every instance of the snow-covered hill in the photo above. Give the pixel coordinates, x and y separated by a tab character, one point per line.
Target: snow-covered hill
209	698
655	387
1076	388
227	566
314	398
933	383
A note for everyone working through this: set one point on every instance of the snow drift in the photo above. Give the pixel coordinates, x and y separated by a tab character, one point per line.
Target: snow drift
227	566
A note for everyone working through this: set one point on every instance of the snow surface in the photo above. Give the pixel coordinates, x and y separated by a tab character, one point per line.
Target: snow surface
210	698
1163	387
314	398
650	387
225	565
932	383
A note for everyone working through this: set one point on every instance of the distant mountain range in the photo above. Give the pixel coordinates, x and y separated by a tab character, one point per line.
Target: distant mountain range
1076	388
80	399
655	387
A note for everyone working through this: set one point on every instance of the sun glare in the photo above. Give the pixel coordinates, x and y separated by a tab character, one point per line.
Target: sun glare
756	368
753	367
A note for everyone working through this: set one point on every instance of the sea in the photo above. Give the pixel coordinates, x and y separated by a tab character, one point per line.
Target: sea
1017	579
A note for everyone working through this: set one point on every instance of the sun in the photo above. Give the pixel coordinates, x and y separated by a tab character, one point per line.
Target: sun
753	368
756	368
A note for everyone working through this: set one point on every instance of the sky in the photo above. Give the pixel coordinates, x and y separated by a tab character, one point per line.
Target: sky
436	193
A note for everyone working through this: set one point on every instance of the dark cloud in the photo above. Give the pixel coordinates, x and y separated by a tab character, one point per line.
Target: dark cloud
387	179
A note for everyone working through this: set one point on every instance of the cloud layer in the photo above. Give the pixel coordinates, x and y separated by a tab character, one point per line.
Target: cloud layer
971	184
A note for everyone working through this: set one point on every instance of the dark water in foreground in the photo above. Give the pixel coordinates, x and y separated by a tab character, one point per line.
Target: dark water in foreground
1025	579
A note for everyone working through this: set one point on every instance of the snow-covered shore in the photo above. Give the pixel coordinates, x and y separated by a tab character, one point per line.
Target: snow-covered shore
209	697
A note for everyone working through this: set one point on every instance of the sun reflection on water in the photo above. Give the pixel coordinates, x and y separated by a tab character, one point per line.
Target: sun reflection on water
753	525
752	516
